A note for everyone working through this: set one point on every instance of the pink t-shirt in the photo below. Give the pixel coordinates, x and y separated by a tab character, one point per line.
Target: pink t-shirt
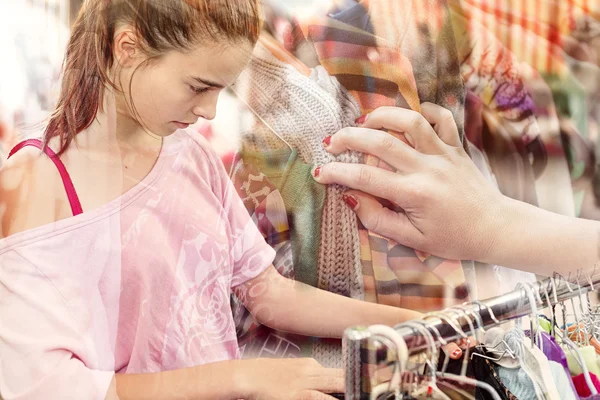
141	284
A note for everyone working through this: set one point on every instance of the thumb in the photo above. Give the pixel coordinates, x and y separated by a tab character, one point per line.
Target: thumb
381	220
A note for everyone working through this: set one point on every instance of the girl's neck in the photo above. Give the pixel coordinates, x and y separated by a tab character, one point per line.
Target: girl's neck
115	132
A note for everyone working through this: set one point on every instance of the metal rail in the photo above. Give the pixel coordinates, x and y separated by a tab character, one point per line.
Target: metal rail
361	349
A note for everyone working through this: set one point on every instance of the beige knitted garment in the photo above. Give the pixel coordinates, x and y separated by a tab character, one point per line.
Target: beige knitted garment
302	111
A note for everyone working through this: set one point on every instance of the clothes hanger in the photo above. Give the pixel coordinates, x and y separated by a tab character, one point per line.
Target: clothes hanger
480	334
580	327
468	341
457	378
402	358
521	349
443	342
594	321
535	358
454	325
395	386
488	308
463	378
533	316
538	332
572	347
431	389
579	357
577	322
507	350
585	317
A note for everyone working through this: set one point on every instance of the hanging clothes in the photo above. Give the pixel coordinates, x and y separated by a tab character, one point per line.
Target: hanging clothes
588	353
484	371
583	389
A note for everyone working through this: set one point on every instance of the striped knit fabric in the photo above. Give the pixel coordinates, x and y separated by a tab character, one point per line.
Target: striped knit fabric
378	73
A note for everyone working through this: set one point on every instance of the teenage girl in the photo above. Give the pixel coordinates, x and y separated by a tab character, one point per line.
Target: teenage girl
122	240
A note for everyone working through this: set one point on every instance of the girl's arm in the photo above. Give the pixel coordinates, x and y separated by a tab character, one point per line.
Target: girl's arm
292	306
264	379
210	381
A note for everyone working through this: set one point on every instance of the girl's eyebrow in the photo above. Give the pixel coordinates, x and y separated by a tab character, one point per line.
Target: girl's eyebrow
208	82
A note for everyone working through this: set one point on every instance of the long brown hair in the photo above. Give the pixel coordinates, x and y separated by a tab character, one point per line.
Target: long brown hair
161	25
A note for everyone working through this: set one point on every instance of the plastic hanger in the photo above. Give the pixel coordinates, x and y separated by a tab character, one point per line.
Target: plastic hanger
463	378
578	357
480	334
584	314
454	325
532	357
533	316
572	347
580	329
468	341
400	363
577	329
431	388
488	308
593	316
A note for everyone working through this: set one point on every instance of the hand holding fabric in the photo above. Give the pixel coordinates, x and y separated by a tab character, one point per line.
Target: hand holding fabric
449	208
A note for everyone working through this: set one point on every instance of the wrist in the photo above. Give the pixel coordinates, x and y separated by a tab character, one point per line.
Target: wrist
501	225
244	380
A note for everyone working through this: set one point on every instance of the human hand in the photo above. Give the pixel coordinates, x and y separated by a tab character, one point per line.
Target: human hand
295	379
449	209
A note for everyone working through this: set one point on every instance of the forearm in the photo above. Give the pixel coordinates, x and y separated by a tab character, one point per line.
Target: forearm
543	242
221	380
307	311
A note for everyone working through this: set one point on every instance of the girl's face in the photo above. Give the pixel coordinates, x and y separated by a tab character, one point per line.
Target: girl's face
174	91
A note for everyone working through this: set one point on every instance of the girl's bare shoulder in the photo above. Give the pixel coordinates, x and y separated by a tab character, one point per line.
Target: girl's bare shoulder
31	192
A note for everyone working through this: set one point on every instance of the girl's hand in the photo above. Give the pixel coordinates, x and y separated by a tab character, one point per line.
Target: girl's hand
295	379
448	207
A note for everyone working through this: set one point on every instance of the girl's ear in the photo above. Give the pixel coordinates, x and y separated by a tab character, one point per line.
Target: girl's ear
126	48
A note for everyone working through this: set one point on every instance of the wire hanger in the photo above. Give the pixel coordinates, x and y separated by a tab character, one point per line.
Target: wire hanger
578	356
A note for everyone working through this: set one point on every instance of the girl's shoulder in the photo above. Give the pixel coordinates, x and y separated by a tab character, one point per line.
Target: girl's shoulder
31	192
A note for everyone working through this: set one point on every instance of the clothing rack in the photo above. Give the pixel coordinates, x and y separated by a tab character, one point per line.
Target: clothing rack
360	348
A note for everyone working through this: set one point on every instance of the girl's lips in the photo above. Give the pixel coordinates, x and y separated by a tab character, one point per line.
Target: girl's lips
181	125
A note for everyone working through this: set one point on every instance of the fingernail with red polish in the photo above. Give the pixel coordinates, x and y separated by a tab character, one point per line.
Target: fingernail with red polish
362	119
327	141
317	172
457	352
351	201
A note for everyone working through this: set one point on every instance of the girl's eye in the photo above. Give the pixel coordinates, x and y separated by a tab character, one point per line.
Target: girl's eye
198	90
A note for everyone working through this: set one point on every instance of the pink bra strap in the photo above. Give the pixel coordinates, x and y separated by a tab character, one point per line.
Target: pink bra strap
67	182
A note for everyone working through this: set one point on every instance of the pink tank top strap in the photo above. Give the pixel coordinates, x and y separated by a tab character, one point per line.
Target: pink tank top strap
64	174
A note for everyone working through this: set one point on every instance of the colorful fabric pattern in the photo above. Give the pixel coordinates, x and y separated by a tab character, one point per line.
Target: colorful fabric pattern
377	71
